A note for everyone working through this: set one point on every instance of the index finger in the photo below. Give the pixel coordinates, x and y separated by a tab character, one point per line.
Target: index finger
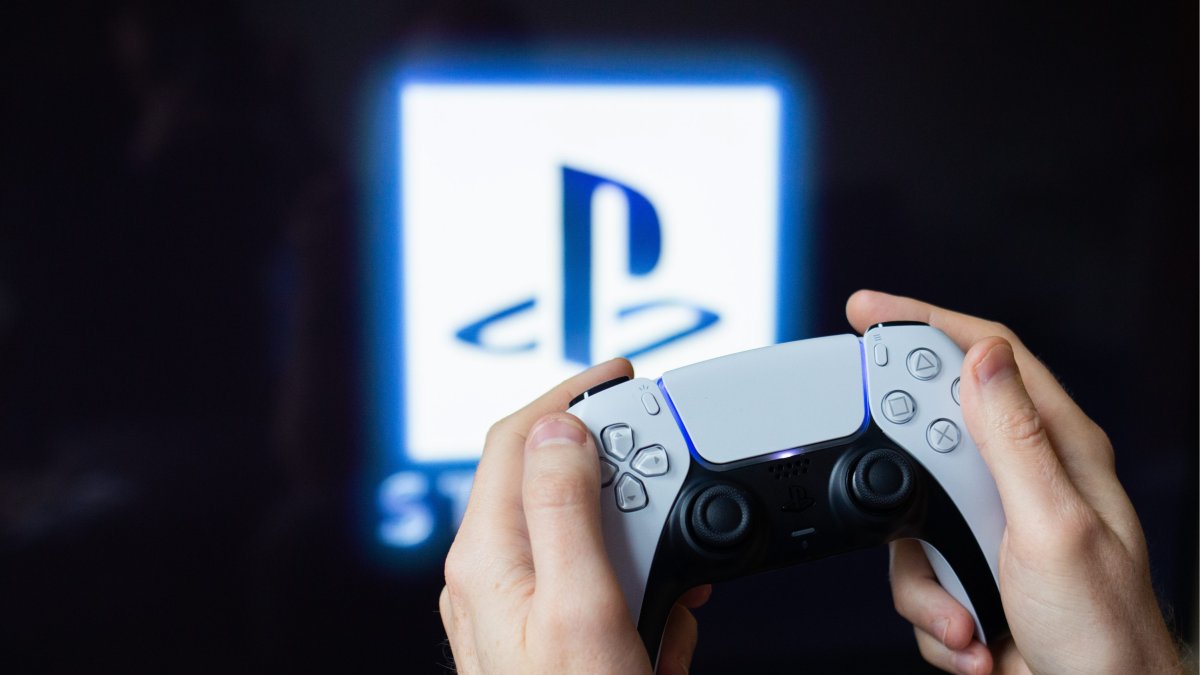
496	491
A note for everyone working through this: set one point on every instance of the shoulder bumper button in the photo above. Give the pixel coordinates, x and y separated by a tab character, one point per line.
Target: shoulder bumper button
598	388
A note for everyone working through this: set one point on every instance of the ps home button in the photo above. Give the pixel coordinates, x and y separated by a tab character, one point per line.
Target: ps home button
599	388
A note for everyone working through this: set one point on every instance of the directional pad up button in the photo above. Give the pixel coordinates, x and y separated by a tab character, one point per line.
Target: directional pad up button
650	461
617	440
631	494
923	364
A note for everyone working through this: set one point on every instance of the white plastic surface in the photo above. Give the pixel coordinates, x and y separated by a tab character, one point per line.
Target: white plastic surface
776	398
949	581
632	537
961	472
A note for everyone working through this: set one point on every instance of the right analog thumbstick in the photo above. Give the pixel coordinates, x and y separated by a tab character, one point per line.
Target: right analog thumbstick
882	480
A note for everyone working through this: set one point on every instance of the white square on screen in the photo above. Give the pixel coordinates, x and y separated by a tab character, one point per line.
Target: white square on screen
483	174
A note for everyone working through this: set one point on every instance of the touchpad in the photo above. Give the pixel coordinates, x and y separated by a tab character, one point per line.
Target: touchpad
771	399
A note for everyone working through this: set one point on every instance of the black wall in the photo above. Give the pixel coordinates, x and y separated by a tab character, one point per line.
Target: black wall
179	437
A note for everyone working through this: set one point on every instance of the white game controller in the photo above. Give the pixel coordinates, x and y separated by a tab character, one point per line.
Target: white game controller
785	454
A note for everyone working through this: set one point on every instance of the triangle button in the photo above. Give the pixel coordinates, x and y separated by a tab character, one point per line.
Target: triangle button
923	364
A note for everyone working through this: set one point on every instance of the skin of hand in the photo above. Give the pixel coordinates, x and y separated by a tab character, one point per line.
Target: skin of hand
1074	570
529	587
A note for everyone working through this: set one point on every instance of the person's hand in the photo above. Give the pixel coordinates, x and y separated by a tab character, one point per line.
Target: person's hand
1074	573
529	588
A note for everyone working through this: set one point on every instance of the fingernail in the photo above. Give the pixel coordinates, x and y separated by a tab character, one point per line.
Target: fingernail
940	628
998	362
557	430
967	664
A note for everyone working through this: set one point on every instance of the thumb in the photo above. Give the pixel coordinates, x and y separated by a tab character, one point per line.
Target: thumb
561	494
1008	431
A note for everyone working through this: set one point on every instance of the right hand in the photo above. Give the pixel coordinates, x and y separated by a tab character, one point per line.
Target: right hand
1074	570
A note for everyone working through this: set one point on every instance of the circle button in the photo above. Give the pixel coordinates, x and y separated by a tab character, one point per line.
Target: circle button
923	364
954	390
898	407
943	435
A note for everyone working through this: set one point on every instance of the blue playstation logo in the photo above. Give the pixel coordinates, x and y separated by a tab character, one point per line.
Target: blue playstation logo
645	248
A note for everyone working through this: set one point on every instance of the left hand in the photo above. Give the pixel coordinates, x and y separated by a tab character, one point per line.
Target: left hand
529	588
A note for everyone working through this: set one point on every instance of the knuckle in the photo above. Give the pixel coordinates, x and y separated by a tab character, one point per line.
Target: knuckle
455	571
498	429
1022	426
559	488
1103	446
1002	330
1078	529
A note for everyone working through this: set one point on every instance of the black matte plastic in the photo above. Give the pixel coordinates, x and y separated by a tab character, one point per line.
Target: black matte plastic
887	324
798	516
882	480
720	516
598	388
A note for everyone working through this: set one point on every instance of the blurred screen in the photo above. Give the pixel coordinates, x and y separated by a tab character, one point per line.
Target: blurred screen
544	223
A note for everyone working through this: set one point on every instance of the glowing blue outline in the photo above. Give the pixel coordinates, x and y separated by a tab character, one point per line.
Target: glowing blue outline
382	223
778	454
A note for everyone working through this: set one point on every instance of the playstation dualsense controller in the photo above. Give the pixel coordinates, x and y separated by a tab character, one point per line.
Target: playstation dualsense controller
780	455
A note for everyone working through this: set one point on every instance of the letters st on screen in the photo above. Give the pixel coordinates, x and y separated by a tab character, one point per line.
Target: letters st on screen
548	227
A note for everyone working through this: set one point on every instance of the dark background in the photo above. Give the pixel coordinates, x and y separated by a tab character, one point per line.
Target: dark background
179	407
